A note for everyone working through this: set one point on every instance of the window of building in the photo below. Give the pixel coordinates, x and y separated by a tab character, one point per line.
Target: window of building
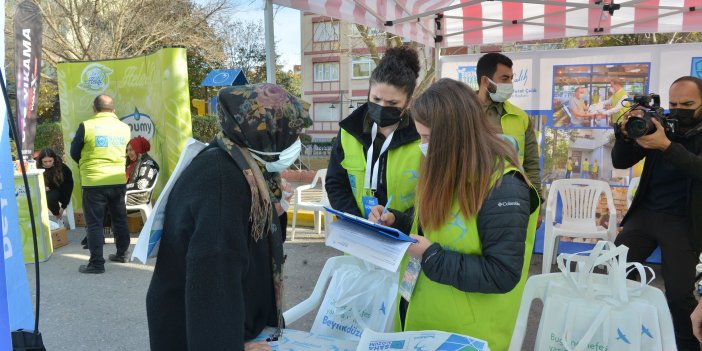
326	31
371	31
362	68
324	113
326	71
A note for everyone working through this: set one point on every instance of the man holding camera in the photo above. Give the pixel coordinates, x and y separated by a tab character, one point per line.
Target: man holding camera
667	208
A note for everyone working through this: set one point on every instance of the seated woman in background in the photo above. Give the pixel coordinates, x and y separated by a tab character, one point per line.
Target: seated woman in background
475	249
58	180
141	170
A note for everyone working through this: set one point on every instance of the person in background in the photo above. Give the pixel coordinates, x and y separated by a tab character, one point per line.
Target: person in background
58	181
376	156
569	168
141	171
585	171
578	109
595	170
474	243
98	148
665	211
218	277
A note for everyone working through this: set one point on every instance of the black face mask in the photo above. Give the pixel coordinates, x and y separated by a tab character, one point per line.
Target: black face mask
384	115
686	117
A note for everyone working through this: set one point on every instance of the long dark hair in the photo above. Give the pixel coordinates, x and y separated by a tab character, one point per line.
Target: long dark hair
53	175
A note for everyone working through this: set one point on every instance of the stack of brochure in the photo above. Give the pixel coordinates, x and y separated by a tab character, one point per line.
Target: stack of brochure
377	244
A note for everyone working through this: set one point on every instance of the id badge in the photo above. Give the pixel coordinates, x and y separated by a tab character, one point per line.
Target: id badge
368	203
409	278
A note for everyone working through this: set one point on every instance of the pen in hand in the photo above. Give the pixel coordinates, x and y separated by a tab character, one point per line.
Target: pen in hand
385	210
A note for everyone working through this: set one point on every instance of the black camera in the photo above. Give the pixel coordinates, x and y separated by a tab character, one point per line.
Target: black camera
638	126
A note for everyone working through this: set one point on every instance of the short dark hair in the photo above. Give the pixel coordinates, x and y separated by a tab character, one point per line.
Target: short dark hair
487	65
103	103
399	68
695	80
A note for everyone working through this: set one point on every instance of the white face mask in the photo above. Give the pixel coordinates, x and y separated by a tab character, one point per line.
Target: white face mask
502	92
424	148
285	158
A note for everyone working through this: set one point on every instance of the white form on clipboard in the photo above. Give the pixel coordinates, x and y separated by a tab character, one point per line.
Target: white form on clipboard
377	244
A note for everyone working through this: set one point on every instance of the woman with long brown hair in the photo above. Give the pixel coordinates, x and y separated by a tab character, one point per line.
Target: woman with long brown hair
58	181
474	203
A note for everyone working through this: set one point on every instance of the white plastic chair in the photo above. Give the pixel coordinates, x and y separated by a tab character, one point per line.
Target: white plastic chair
303	202
146	208
535	288
580	198
633	185
315	300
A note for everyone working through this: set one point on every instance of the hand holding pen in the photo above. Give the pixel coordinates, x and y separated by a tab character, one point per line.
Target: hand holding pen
380	214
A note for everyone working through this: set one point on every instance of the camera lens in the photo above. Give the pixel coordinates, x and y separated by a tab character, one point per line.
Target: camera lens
636	127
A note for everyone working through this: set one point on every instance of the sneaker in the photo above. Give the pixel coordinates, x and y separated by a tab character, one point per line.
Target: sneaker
90	269
118	258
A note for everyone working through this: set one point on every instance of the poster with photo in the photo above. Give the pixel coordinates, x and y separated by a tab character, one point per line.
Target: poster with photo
591	95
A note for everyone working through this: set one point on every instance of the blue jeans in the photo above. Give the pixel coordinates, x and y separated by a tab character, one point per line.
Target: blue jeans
97	202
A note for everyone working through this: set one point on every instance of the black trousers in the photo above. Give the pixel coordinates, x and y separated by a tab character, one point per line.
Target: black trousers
646	229
97	202
52	201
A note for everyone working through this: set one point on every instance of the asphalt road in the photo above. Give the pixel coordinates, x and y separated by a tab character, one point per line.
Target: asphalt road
107	311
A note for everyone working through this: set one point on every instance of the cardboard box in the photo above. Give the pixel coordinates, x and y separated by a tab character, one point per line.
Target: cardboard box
134	222
59	237
80	219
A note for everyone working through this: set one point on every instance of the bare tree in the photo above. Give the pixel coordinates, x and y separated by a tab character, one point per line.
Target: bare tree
103	29
242	43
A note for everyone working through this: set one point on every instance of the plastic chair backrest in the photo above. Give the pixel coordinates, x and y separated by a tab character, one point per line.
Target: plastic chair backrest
580	198
320	288
536	288
631	191
321	175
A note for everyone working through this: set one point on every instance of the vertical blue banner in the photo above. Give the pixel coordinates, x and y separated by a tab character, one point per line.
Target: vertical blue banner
16	310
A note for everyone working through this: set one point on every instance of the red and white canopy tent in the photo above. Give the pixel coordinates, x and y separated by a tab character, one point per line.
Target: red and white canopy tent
450	23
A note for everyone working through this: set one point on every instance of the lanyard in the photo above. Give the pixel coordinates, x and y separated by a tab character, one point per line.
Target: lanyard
372	182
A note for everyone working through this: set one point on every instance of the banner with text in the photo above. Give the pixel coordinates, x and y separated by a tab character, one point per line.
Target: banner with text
150	94
28	34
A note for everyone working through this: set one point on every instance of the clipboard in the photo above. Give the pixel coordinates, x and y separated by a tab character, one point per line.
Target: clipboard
381	229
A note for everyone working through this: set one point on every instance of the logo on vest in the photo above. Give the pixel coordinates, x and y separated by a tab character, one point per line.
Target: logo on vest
95	78
106	141
140	124
508	203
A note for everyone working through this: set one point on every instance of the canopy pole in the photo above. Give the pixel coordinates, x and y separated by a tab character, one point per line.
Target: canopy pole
437	61
270	42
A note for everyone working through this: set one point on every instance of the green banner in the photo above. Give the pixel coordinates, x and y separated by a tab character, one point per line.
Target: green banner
41	216
150	94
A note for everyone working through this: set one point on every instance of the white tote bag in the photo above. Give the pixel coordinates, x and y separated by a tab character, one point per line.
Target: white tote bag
150	235
358	297
592	311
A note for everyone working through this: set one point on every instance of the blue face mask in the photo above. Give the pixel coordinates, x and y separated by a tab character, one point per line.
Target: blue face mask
424	148
285	158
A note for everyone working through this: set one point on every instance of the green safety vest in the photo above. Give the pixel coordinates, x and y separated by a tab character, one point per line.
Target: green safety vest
103	155
595	168
586	166
617	99
514	122
569	165
436	306
401	171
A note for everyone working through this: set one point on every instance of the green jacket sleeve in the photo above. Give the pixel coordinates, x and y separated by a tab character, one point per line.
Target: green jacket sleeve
531	158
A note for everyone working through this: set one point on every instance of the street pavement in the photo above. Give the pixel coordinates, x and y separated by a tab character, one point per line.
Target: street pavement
107	311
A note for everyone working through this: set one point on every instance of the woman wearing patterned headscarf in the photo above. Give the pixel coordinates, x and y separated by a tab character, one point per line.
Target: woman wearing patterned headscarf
218	278
141	170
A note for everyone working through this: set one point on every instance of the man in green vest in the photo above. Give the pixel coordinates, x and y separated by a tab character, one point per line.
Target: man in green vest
585	172
495	75
99	149
618	108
